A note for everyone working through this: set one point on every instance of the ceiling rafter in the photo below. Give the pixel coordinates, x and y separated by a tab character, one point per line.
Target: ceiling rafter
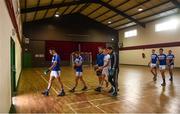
32	9
44	16
57	9
121	13
158	5
126	10
25	8
65	10
147	17
36	11
83	8
176	3
110	10
97	9
74	9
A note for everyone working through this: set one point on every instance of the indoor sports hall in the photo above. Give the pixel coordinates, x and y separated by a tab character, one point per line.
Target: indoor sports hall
90	56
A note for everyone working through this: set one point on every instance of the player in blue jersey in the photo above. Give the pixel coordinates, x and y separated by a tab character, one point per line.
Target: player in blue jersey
170	64
78	68
153	64
55	73
162	65
99	63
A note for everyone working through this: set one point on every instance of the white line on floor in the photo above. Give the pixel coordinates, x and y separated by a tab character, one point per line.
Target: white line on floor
47	83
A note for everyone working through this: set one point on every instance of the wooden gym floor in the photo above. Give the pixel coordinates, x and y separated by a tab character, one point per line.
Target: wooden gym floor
138	93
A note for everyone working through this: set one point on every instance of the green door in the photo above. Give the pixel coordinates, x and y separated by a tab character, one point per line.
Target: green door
27	60
13	68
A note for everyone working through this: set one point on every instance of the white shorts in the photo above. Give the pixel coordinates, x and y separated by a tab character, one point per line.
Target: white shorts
55	74
152	65
105	72
162	67
171	66
78	73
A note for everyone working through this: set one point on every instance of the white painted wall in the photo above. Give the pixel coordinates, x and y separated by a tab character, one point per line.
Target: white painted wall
6	28
149	36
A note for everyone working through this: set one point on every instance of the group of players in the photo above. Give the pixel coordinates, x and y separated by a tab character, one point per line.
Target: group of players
107	69
162	62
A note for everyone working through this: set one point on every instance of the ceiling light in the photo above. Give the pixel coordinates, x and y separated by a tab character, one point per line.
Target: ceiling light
112	39
56	15
140	9
109	22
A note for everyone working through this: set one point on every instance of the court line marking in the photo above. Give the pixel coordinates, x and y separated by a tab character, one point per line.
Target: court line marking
46	80
56	93
97	107
88	91
72	108
90	101
47	83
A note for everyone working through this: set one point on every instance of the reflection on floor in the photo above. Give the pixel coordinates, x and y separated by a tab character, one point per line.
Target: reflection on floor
138	93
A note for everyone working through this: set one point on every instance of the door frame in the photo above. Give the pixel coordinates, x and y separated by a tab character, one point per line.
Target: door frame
13	67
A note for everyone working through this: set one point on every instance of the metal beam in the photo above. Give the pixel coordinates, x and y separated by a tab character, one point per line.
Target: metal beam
110	10
27	10
126	10
57	9
83	7
176	3
121	13
36	11
145	17
74	9
158	5
48	9
97	9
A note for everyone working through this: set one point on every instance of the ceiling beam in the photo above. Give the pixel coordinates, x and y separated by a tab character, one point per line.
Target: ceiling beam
110	10
121	13
156	6
126	10
83	7
57	9
25	13
27	10
176	3
74	9
169	9
44	16
97	9
36	11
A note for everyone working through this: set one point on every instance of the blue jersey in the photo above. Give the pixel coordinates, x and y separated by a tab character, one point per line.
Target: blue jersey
78	60
170	57
154	58
162	59
100	59
56	58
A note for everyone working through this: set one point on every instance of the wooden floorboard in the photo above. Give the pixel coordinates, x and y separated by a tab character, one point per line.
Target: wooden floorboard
138	93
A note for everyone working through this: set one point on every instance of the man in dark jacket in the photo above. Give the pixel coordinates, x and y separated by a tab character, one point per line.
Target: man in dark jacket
113	71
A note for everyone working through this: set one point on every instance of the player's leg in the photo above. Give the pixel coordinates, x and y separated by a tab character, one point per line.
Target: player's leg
153	71
171	72
62	93
163	77
110	79
115	78
76	82
46	92
105	80
82	80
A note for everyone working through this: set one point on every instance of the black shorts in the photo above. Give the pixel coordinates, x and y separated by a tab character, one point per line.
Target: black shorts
99	73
